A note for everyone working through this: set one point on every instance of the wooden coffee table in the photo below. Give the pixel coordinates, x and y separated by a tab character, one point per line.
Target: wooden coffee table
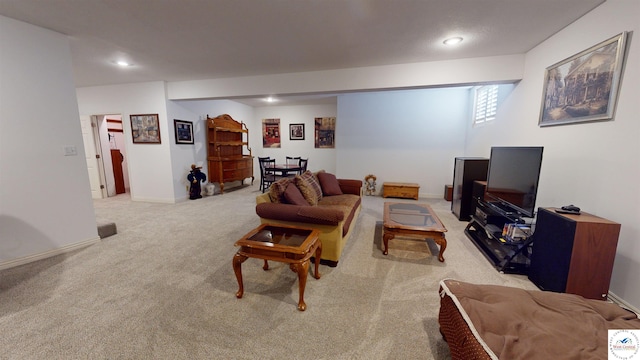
288	244
415	220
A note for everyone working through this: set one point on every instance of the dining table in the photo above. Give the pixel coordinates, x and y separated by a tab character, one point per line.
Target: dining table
284	169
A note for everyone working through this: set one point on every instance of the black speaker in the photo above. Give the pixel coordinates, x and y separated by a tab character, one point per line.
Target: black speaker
465	172
551	253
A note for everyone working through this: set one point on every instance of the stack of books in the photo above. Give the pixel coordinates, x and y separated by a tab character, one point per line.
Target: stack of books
514	233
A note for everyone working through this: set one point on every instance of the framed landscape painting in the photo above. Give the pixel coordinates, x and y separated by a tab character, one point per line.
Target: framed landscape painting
584	87
184	131
145	129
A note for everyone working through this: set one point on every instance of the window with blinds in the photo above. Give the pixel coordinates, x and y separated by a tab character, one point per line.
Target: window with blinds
486	104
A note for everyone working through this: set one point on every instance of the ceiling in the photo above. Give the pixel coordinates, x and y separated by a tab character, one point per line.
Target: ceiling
175	40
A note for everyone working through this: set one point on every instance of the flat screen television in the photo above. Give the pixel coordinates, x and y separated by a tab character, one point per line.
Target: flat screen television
513	177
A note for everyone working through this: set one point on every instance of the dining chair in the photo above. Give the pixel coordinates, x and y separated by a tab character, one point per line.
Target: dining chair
267	177
293	160
303	165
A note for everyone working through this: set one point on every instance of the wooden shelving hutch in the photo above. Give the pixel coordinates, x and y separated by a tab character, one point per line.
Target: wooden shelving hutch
226	158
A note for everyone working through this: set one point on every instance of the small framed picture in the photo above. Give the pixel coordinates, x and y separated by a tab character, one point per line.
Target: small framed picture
184	131
296	131
145	129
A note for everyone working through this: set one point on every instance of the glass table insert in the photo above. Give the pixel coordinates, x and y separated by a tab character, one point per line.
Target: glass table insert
288	244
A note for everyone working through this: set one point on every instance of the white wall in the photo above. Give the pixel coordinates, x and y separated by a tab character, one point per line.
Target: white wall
197	110
385	133
592	165
157	172
150	171
182	156
319	159
402	136
45	197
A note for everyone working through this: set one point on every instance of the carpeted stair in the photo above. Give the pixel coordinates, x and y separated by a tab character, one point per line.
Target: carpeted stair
107	229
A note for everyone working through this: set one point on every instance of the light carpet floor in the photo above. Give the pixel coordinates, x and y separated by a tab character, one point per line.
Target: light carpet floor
163	288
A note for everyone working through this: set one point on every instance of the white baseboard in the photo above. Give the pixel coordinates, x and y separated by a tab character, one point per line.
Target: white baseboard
431	196
616	299
153	200
47	254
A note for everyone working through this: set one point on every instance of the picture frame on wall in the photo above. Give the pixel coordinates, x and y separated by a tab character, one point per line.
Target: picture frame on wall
325	132
183	131
296	131
145	129
271	133
584	87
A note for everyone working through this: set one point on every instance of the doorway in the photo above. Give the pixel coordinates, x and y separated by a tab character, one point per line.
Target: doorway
115	136
106	155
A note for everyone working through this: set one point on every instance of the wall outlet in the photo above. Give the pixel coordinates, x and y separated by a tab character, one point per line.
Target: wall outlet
70	150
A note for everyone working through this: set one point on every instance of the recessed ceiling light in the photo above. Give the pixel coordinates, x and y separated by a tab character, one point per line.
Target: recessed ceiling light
452	41
270	99
122	63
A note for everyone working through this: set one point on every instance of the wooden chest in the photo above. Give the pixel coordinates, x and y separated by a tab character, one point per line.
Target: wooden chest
400	190
448	192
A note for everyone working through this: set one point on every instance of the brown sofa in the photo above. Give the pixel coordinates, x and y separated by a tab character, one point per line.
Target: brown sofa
334	213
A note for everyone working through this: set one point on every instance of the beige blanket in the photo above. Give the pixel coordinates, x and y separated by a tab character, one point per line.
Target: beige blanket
513	323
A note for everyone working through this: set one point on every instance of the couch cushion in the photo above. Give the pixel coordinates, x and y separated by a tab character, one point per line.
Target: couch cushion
325	216
277	189
293	196
348	200
312	181
307	190
329	184
303	214
350	186
349	219
346	203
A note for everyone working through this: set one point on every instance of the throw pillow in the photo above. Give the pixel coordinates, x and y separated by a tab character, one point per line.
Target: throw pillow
309	177
307	190
329	184
293	195
277	189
